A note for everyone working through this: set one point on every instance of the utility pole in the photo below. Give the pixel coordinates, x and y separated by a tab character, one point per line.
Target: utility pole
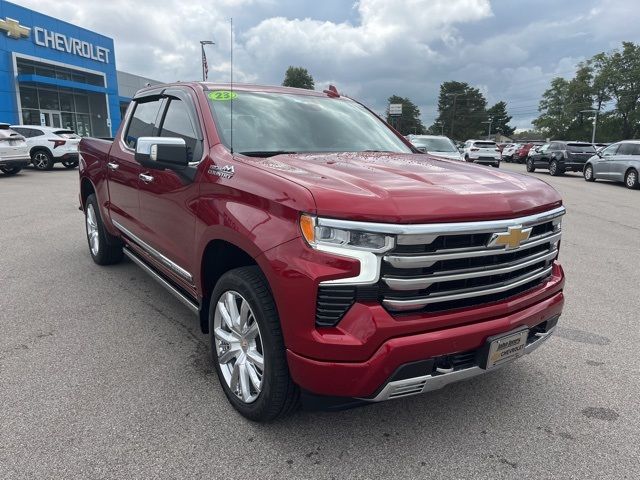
205	66
490	121
595	121
453	114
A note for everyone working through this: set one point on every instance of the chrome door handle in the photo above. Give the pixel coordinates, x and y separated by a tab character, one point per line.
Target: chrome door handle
113	166
145	178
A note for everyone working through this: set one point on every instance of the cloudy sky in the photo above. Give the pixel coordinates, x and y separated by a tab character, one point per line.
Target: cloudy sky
370	49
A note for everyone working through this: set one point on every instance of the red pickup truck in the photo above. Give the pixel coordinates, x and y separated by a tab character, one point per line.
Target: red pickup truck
327	259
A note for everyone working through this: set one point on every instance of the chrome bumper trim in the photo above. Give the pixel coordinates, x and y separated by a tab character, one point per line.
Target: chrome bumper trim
429	383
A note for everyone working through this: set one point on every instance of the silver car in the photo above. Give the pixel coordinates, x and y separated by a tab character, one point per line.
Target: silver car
619	162
436	145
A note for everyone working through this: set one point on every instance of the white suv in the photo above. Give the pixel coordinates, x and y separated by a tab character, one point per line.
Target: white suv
48	145
14	154
485	152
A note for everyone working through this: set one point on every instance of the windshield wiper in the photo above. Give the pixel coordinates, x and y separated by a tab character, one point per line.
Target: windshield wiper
265	153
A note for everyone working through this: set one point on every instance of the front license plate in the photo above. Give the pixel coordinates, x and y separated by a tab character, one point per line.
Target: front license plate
507	348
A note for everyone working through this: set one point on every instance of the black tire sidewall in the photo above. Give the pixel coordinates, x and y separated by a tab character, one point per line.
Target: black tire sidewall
591	177
70	164
530	167
10	170
243	281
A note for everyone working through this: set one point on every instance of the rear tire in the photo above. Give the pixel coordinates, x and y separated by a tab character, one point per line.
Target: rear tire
10	170
530	166
105	249
275	395
70	164
42	160
631	179
588	174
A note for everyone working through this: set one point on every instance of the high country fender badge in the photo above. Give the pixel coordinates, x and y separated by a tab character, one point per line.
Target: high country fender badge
224	172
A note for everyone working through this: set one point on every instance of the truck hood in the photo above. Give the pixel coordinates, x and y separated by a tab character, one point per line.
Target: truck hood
410	188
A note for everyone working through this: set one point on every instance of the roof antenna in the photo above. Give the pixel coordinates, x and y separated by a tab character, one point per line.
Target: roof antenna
231	86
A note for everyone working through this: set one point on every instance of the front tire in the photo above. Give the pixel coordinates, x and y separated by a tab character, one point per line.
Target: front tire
247	347
42	160
554	169
631	179
10	170
105	249
588	174
530	166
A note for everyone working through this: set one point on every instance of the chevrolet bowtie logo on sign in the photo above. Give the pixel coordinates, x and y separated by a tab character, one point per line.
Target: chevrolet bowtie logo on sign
13	28
510	239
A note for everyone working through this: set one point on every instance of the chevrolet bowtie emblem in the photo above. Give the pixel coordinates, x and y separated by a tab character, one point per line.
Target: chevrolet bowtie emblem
511	238
13	28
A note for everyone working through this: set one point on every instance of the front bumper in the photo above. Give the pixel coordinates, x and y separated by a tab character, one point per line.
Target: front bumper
14	162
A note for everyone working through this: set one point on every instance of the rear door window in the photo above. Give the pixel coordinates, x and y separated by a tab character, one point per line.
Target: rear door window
143	122
626	149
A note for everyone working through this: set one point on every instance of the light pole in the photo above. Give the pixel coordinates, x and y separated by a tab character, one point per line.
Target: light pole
205	67
490	121
453	114
595	121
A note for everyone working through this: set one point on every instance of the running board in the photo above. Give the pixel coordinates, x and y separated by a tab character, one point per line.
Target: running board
191	305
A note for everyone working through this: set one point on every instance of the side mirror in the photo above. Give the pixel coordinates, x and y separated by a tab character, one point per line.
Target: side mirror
162	152
599	152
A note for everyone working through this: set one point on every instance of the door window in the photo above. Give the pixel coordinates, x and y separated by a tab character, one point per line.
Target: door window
610	150
177	123
142	123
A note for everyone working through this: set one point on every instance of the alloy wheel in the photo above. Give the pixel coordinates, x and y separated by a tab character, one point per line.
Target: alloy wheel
40	160
92	230
238	346
588	173
632	179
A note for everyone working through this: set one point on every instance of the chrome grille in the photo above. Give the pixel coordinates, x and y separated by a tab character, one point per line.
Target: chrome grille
442	270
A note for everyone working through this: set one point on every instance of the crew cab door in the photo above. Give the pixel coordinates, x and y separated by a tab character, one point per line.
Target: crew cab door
123	171
168	198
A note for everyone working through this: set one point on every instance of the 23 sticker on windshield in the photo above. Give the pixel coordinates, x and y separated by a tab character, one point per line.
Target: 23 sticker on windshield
222	95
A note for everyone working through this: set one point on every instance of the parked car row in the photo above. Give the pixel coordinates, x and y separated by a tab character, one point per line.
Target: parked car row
619	162
42	147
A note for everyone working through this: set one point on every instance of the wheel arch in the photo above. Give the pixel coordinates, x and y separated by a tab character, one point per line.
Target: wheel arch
37	148
86	189
218	257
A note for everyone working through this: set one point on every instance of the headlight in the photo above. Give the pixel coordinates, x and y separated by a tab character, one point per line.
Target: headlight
316	235
366	247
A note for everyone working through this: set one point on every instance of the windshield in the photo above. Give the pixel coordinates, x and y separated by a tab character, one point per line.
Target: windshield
271	123
434	144
580	147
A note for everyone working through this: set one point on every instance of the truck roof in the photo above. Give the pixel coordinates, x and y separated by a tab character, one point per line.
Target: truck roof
246	87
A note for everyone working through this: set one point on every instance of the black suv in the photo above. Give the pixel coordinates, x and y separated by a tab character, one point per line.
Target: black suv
559	157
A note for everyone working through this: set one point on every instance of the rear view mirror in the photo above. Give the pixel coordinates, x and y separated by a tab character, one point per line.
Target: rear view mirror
162	152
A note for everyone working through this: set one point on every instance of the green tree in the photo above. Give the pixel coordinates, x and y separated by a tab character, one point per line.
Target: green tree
619	74
298	77
500	119
461	111
409	122
553	120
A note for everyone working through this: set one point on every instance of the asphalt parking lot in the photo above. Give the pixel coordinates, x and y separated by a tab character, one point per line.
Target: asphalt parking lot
104	375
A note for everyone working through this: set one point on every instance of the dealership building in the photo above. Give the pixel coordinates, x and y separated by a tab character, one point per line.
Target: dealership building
57	74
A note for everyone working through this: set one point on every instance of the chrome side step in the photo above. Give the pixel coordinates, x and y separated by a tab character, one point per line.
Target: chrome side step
191	305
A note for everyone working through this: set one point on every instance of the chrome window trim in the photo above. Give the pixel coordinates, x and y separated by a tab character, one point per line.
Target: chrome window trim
173	266
443	228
